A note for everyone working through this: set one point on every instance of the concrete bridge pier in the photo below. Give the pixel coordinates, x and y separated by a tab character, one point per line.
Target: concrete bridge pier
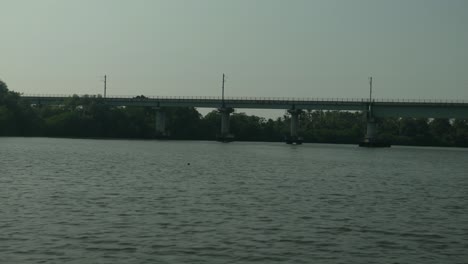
294	137
225	135
370	139
371	131
160	123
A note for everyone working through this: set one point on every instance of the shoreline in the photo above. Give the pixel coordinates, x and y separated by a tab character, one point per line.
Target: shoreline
215	141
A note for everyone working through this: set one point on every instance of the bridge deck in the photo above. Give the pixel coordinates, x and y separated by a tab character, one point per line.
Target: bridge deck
381	108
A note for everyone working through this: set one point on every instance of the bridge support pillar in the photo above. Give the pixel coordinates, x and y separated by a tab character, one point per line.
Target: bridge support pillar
225	135
160	123
371	131
294	137
370	139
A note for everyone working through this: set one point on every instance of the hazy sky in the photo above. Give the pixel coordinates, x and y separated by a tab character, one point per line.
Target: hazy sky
294	48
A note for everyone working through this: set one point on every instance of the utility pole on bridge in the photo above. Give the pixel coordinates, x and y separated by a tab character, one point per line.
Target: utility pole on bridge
222	94
105	85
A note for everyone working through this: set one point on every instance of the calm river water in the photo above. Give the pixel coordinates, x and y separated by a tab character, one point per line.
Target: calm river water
109	201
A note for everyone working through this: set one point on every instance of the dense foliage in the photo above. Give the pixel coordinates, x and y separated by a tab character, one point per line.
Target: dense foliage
89	117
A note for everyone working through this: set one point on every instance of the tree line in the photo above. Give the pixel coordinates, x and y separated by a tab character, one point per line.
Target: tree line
90	117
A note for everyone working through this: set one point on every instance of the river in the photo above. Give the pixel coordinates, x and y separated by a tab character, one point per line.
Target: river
124	201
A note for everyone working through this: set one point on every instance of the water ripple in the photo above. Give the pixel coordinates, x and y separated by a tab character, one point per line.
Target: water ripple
94	201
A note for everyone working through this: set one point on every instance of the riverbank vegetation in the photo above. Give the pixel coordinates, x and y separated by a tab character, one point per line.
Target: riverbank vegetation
89	117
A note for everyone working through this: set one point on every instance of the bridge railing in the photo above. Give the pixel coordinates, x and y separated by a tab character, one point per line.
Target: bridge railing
242	98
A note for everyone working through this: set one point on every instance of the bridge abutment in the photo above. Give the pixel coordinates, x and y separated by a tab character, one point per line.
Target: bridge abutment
294	137
225	135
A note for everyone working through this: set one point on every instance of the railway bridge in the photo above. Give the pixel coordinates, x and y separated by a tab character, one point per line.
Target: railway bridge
371	108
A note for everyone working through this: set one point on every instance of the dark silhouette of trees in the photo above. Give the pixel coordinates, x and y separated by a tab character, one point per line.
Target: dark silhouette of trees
16	117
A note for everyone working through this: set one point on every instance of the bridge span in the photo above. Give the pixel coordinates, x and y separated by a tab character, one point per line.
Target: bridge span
372	109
